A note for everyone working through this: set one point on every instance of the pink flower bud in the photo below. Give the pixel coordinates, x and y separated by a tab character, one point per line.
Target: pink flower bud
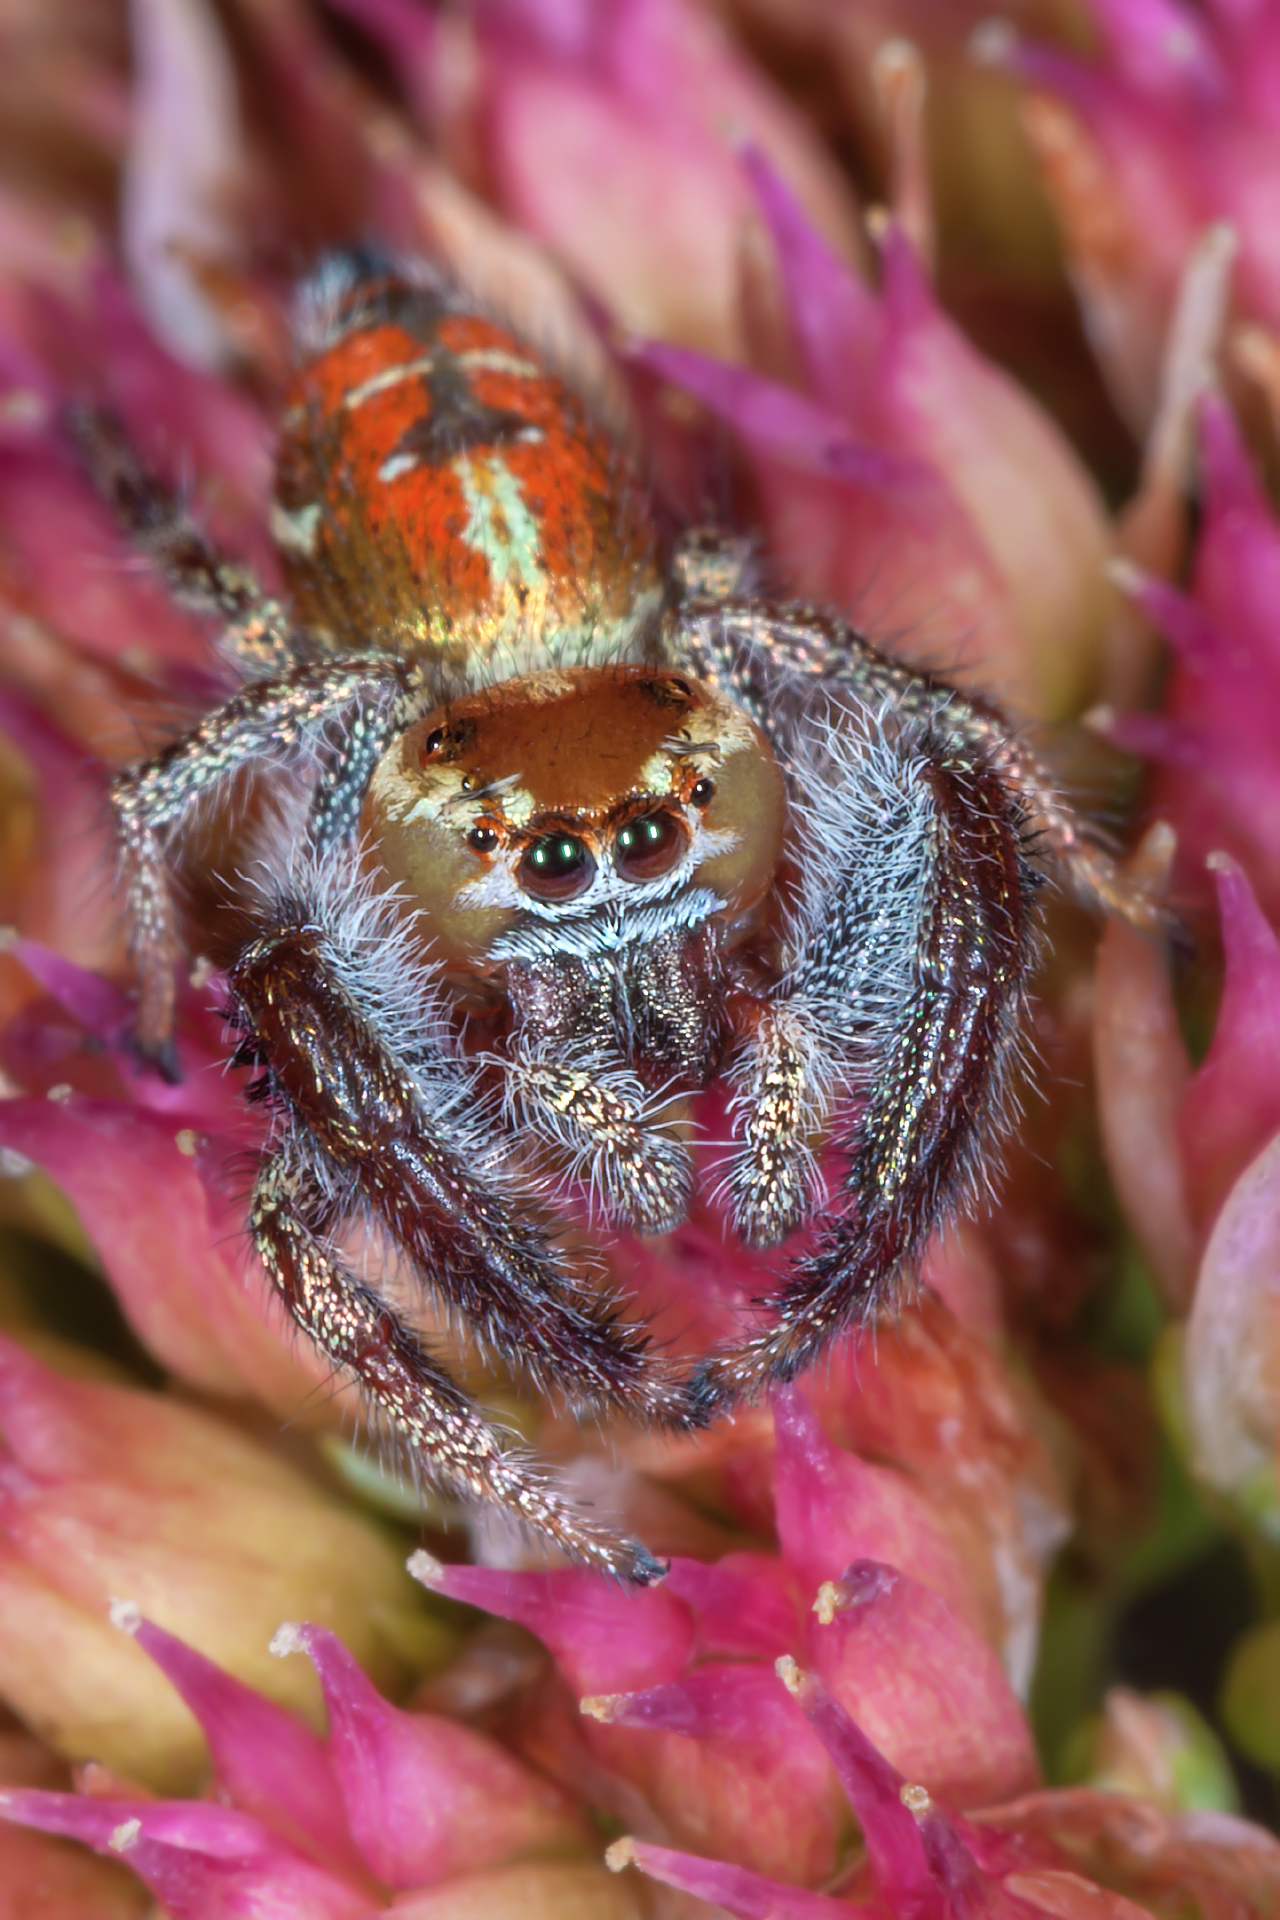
1141	1063
926	1687
605	1639
102	603
184	174
834	1507
109	1493
728	1764
265	1759
173	1264
1154	1858
391	1800
934	1399
1231	1106
198	1859
1231	1363
50	891
427	1799
751	1896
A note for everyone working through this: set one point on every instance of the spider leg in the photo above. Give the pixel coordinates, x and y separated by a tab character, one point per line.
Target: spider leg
597	1113
934	1080
257	634
781	1099
267	719
361	1334
773	660
411	1139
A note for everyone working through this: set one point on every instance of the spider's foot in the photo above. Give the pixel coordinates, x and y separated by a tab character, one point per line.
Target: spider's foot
161	1056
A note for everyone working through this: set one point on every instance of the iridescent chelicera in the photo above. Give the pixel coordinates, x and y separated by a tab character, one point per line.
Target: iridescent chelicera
578	823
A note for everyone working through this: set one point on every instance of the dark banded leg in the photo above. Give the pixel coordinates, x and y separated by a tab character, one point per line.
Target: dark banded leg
278	720
935	1091
413	1150
256	633
771	658
409	1391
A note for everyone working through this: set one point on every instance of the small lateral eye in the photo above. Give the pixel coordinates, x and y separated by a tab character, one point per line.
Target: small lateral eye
482	839
556	867
433	742
703	792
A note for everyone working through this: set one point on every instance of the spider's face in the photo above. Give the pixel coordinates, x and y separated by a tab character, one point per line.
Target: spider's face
557	796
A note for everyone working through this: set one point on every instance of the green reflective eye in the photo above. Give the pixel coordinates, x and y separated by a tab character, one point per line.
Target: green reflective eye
556	867
647	848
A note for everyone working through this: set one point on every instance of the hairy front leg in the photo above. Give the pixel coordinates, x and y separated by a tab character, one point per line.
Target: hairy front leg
781	1096
430	1168
935	1088
771	657
277	720
598	1117
409	1392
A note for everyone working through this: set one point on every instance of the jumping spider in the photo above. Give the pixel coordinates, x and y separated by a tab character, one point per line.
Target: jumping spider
585	828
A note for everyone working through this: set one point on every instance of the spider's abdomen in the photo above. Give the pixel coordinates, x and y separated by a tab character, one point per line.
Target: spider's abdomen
439	487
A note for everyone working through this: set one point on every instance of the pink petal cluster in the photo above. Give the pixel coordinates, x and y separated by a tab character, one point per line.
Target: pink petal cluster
1173	127
83	1111
1010	1863
668	1701
107	1489
389	1805
1213	741
903	477
605	130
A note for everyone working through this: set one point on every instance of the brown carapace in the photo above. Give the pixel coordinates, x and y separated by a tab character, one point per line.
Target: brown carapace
582	825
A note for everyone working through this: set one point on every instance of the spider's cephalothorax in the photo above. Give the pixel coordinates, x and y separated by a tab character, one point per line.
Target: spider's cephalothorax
583	833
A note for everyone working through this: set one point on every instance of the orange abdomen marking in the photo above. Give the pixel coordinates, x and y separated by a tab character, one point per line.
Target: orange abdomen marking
440	488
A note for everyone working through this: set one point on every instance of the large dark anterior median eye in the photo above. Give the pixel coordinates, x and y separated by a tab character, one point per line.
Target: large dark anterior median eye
556	867
647	848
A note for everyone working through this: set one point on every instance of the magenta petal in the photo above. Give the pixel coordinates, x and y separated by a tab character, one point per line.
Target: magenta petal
784	423
749	1896
203	1862
1153	737
1162	49
170	1278
203	1097
836	317
426	1798
894	1845
729	1700
100	1008
1232	1103
1229	479
924	1685
76	569
1182	622
908	298
731	1766
1237	561
834	1507
265	1758
745	1604
606	1639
